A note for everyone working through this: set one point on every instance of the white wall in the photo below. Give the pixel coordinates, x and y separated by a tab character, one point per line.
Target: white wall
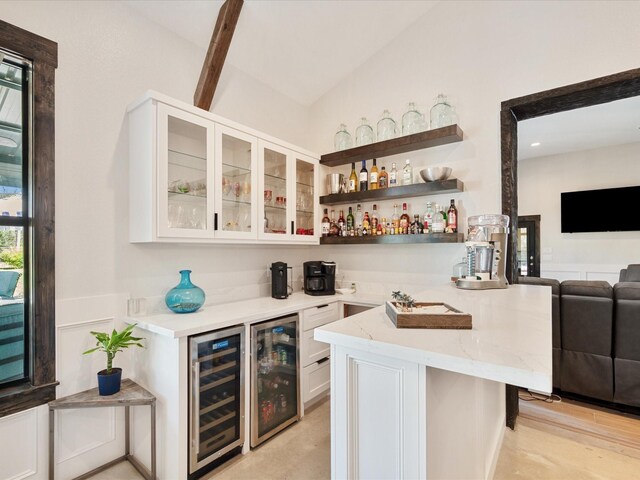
592	256
481	53
108	56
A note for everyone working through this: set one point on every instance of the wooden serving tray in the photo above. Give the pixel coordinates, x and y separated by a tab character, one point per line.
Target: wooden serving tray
431	315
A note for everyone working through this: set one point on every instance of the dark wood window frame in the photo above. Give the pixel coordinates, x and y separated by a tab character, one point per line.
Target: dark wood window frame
584	94
41	385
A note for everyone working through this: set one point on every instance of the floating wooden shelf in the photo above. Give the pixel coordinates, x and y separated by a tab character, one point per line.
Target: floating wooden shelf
391	239
416	190
395	146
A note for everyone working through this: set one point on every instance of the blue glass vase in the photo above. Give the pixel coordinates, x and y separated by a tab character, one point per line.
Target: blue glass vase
185	297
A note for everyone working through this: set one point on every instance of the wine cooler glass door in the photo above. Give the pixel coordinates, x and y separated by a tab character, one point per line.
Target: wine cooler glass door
217	395
275	377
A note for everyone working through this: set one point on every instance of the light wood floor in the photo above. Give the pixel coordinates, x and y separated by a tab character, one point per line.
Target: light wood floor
561	441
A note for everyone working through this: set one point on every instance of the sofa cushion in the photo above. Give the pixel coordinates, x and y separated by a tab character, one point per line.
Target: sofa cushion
627	382
587	324
557	370
626	291
587	374
588	288
631	273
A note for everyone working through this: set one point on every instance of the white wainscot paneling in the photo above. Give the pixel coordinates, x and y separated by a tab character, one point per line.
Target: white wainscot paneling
85	438
581	271
18	451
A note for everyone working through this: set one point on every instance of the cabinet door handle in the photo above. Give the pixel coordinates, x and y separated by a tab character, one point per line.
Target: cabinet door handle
323	306
215	221
292	227
320	362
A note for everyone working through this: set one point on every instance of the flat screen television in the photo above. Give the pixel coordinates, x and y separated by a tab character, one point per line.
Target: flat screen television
606	210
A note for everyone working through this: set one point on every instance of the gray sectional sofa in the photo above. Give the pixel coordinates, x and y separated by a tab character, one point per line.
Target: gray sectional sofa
596	337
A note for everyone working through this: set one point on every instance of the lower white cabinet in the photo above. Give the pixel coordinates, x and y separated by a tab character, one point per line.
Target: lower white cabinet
316	379
316	368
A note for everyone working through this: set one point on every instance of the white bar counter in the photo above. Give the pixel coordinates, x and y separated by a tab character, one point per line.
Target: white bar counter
422	403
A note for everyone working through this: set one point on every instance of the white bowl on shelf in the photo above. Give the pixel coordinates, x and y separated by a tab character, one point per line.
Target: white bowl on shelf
435	174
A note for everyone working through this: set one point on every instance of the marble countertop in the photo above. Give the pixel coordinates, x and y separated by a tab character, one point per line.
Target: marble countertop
510	341
213	317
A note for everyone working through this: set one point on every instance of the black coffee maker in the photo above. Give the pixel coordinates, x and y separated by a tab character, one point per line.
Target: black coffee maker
280	280
319	278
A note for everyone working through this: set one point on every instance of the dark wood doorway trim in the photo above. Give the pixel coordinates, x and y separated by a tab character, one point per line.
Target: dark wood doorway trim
584	94
535	219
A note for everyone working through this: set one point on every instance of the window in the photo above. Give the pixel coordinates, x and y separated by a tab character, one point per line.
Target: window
27	300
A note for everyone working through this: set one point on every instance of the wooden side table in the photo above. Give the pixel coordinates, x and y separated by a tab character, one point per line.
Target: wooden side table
130	394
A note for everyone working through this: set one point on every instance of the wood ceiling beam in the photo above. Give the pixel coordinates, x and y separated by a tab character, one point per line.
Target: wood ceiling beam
217	53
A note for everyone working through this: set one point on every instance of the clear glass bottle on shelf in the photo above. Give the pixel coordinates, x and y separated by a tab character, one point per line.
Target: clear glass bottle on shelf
393	176
428	218
412	121
438	220
364	133
359	219
407	173
342	139
387	127
395	221
442	113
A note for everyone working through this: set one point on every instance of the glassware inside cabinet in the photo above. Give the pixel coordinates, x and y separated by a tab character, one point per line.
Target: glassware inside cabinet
305	214
275	192
236	184
187	175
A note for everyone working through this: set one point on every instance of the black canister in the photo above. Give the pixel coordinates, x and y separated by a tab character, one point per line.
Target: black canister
279	281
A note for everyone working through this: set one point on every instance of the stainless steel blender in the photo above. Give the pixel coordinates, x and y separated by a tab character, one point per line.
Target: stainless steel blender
486	249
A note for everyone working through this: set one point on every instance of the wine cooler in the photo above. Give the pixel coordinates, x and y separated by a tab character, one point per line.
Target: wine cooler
275	372
216	403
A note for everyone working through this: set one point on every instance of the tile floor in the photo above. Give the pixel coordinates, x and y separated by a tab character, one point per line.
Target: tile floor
302	452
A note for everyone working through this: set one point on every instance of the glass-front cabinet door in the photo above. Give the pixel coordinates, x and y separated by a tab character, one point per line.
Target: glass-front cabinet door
274	174
236	167
287	205
185	172
305	196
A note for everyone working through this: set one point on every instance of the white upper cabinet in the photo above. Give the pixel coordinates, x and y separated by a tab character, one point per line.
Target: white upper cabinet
198	178
288	182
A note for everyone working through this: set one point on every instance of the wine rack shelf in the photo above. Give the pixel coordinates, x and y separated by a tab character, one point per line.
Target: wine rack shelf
395	239
416	190
395	146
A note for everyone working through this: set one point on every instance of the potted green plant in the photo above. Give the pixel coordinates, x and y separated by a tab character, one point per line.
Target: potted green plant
109	378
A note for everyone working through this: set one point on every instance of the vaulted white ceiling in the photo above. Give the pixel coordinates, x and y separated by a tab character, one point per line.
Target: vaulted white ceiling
299	48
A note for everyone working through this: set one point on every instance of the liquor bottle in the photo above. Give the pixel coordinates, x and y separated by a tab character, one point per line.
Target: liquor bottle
407	173
444	215
393	176
358	228
374	220
366	224
353	179
404	220
373	176
325	225
428	218
334	230
452	217
379	229
438	221
364	177
350	220
383	225
341	224
383	179
395	221
416	226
